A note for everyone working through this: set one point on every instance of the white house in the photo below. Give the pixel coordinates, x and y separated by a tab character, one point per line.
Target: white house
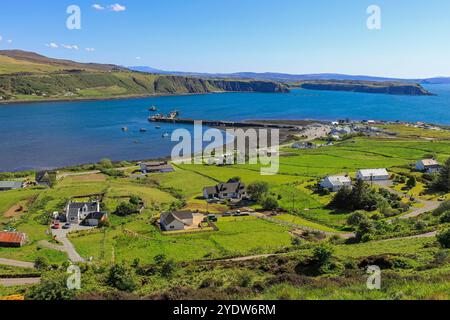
373	175
77	212
428	166
182	220
336	183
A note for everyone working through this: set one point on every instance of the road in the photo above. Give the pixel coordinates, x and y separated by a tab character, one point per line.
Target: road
428	206
15	263
19	282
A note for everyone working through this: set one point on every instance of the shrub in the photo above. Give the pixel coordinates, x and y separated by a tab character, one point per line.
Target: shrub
121	278
269	203
323	253
445	218
257	190
53	287
444	239
356	218
106	163
41	263
168	268
126	209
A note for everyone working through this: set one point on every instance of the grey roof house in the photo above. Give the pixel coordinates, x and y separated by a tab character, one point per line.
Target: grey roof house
156	167
10	185
77	212
231	190
181	220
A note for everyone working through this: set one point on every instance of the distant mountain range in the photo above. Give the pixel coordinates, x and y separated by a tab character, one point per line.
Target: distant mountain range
285	77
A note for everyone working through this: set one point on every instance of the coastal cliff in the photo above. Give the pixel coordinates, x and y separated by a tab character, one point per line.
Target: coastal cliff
386	87
27	76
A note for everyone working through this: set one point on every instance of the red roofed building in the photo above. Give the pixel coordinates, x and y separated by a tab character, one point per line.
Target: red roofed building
12	239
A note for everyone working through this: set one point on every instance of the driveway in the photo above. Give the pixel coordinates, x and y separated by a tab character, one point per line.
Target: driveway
15	263
67	246
428	206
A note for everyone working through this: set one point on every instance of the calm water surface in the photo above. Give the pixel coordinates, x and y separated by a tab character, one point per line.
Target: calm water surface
50	135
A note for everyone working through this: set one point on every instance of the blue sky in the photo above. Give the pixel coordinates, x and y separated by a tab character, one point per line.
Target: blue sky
292	36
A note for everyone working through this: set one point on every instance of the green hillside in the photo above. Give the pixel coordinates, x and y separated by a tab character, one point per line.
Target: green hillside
30	77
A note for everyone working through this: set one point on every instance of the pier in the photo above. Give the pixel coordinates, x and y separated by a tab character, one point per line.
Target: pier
219	123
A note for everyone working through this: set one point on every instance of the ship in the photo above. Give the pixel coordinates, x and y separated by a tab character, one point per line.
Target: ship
153	109
158	117
143	130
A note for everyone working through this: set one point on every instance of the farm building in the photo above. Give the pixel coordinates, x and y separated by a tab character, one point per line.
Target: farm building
336	183
156	167
95	219
12	239
182	220
77	212
230	190
373	175
45	178
428	166
10	185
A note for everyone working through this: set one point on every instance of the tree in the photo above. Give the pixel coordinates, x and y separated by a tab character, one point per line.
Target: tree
257	190
121	278
126	209
159	259
442	182
412	182
356	218
53	287
106	163
444	239
445	218
269	203
41	263
323	253
365	230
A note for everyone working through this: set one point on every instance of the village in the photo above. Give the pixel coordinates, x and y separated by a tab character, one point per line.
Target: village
107	212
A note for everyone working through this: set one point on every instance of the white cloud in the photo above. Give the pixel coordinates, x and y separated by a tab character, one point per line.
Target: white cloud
90	49
117	7
98	7
9	41
70	47
138	58
52	45
1	38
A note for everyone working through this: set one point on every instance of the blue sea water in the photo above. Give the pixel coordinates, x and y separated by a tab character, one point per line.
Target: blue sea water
51	135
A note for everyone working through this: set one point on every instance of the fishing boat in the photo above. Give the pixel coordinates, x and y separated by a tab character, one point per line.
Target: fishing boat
125	129
158	127
166	135
143	130
153	109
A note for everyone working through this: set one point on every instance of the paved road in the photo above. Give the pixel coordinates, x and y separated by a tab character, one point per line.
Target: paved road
15	263
19	282
428	206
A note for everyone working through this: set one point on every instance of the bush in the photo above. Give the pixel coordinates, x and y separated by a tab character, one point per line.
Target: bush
269	203
445	218
444	207
41	263
257	190
106	163
126	209
121	278
168	268
53	287
356	218
323	253
444	239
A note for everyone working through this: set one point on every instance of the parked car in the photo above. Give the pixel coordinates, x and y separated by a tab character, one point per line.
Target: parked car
56	226
67	226
212	217
227	214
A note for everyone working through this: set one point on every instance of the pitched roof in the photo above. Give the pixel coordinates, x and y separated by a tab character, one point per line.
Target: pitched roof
181	216
374	172
95	215
429	162
11	237
231	187
75	207
10	185
338	180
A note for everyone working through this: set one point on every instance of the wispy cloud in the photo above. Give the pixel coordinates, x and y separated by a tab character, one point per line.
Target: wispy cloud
9	41
90	49
70	47
138	58
52	45
98	6
1	38
117	7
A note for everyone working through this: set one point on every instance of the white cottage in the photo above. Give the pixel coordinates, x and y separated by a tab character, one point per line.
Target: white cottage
373	175
428	166
336	183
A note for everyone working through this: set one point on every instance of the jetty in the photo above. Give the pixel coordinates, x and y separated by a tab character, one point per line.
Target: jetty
220	123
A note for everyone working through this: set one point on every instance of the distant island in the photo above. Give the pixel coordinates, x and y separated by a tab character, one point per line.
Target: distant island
384	87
